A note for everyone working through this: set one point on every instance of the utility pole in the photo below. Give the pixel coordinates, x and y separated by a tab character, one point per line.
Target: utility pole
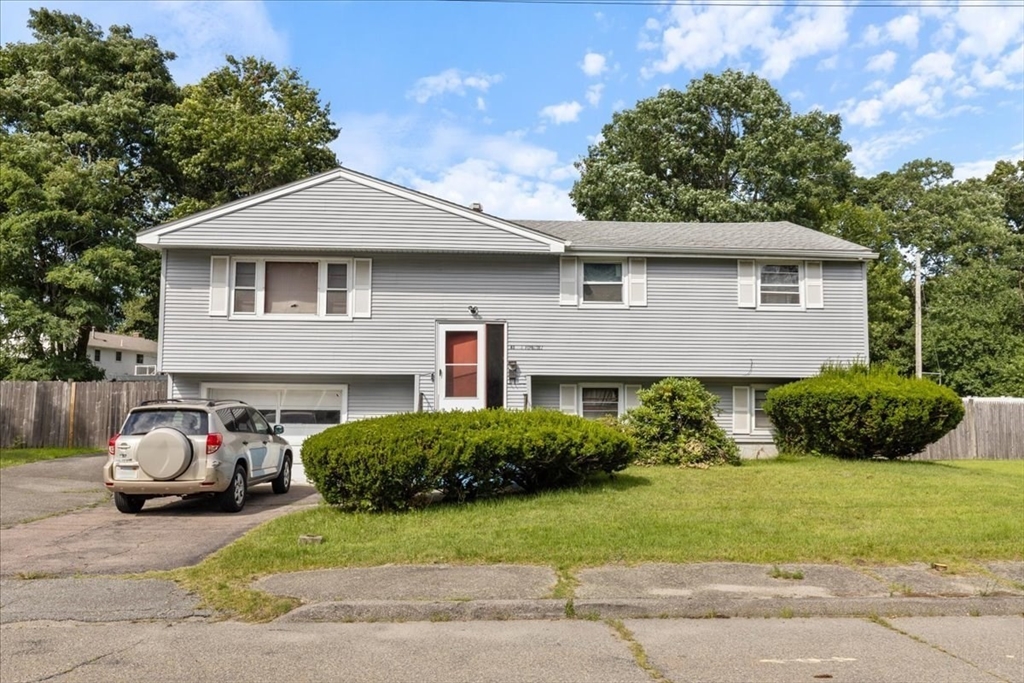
917	315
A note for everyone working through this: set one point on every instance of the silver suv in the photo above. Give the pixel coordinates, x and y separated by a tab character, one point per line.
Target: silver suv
182	447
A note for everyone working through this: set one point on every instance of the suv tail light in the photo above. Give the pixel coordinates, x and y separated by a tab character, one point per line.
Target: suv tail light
111	444
213	443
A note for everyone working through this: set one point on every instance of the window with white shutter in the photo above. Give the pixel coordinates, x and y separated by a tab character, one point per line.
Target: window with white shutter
741	410
637	282
567	398
310	288
567	281
813	284
219	285
747	280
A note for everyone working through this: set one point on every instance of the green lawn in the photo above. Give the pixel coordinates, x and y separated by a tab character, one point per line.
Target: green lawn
787	510
19	456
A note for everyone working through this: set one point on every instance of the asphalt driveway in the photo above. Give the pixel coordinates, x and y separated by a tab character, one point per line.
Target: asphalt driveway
77	530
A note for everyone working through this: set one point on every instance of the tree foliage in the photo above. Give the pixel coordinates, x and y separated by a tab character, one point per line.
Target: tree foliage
81	172
97	142
728	148
245	128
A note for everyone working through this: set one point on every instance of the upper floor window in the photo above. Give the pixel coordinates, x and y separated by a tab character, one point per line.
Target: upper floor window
779	284
278	287
117	356
603	282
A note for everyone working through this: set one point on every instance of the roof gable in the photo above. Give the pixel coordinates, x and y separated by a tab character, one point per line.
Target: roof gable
345	210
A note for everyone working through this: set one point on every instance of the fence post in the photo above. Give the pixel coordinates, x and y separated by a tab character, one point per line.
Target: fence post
973	425
71	414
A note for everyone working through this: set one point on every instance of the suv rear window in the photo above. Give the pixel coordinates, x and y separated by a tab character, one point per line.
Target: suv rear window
191	422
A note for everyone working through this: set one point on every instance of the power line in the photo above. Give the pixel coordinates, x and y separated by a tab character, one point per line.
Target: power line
942	4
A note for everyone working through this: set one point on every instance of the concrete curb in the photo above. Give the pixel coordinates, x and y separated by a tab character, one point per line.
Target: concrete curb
654	608
390	610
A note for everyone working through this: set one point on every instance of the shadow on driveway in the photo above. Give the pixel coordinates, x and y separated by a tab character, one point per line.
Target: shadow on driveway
168	533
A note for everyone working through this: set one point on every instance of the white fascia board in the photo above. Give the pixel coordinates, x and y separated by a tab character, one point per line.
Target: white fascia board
590	252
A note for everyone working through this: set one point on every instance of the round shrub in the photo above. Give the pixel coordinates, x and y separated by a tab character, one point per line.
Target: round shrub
857	412
675	425
388	463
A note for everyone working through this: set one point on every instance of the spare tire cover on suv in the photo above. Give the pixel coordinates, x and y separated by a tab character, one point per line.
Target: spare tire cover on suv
164	453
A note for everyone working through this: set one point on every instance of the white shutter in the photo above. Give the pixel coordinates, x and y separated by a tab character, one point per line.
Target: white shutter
567	399
637	282
361	295
813	286
567	288
632	400
740	410
219	285
747	277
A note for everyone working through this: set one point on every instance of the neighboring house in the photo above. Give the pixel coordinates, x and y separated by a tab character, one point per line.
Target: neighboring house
123	357
343	296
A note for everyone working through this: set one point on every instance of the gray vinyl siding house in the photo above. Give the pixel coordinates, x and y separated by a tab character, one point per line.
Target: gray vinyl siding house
342	297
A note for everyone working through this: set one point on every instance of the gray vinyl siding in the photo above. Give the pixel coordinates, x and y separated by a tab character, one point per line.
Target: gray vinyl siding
691	326
341	214
367	396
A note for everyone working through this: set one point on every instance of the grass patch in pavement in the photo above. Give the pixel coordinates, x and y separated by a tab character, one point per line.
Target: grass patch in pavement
21	456
771	512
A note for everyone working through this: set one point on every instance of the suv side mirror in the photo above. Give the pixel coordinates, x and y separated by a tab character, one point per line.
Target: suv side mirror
279	429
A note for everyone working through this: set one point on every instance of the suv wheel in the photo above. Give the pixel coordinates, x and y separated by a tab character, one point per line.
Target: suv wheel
283	481
232	499
128	503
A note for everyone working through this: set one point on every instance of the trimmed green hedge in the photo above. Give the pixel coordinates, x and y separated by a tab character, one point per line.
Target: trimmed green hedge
675	425
387	463
858	412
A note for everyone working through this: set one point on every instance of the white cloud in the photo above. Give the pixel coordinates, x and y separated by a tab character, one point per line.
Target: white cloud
903	29
882	62
937	65
869	155
989	30
565	112
501	193
594	93
481	105
450	81
200	33
700	38
594	64
982	167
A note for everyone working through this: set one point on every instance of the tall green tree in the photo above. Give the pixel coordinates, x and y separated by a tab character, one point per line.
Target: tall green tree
245	128
81	171
728	148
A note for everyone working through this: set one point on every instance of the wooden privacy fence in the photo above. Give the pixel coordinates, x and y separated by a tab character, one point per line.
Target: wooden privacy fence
48	414
992	429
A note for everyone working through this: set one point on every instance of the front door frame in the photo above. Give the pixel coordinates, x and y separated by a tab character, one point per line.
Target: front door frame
478	401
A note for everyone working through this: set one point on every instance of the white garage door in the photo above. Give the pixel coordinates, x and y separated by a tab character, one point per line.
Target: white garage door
303	409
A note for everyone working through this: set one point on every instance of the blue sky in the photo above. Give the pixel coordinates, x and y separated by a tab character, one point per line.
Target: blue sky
493	102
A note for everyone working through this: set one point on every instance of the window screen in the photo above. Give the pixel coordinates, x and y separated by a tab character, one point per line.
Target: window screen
290	288
600	401
602	282
780	285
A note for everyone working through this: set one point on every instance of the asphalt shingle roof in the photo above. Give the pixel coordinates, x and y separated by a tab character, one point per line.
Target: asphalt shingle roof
768	238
